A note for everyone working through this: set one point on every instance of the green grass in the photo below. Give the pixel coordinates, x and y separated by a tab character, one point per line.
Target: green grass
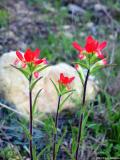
4	17
56	47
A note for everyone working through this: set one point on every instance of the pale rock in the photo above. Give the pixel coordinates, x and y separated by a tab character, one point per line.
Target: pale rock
99	7
75	9
90	25
14	86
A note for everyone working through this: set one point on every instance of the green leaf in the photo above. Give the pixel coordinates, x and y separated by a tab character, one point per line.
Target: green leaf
60	140
68	153
23	71
49	125
34	83
81	74
85	118
39	69
74	139
95	69
93	59
34	153
25	130
82	64
35	100
43	150
97	66
57	90
68	91
61	105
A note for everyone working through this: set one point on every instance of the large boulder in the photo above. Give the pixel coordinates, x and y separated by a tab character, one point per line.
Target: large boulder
14	86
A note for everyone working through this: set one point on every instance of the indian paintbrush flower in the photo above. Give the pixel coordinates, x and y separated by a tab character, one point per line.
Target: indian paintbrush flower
30	65
91	58
63	83
92	46
30	57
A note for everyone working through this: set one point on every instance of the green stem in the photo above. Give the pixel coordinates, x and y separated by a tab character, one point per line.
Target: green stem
81	116
30	118
56	126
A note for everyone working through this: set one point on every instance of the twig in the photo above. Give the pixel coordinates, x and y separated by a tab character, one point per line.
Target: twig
20	113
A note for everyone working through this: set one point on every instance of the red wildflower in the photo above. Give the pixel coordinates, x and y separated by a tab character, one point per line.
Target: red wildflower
91	46
65	80
30	56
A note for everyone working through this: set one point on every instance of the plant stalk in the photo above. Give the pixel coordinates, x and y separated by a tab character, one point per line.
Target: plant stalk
30	119
56	126
82	115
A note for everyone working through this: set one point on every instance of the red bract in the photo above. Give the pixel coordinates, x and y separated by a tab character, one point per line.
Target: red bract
100	47
104	61
65	80
17	62
81	56
43	60
76	66
36	74
92	46
78	47
30	56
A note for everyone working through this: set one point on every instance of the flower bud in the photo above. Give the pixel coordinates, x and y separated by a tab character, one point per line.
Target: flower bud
81	56
36	75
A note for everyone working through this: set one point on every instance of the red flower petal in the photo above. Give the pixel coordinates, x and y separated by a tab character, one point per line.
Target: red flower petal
99	54
102	45
19	55
71	79
89	39
29	55
36	53
61	76
77	46
65	80
39	61
91	44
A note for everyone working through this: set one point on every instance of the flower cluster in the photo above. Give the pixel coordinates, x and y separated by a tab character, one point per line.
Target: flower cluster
90	57
92	50
29	60
65	80
63	85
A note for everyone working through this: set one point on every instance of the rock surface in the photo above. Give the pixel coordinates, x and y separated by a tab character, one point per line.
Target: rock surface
14	86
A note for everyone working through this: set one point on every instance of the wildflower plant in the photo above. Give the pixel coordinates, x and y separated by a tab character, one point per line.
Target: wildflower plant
92	59
30	65
62	88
